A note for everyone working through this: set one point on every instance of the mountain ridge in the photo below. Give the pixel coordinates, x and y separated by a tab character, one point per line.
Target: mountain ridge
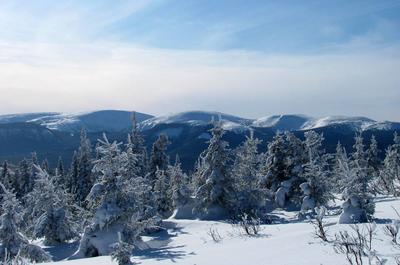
119	120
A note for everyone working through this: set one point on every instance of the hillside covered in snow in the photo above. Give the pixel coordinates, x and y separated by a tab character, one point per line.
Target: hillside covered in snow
287	243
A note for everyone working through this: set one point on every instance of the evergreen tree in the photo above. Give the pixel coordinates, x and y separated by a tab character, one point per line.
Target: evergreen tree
23	178
6	178
197	179
212	198
84	175
275	178
338	182
180	185
359	164
389	177
60	173
396	142
247	197
32	171
116	201
274	168
373	161
316	190
162	193
13	242
358	205
45	165
295	159
72	180
159	159
50	210
137	147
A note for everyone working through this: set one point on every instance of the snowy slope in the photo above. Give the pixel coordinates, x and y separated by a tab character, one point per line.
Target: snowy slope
96	121
282	122
291	243
358	123
230	122
24	117
302	122
115	120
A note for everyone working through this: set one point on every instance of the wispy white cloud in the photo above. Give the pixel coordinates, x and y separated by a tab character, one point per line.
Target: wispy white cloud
51	59
111	75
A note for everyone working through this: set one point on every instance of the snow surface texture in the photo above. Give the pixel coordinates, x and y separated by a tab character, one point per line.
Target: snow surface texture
289	243
114	120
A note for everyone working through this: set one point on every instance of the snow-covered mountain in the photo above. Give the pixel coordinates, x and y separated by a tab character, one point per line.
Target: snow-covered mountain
24	117
282	122
302	122
96	121
55	134
230	122
117	120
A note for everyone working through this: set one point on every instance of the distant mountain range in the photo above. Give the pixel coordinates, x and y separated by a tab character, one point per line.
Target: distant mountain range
52	134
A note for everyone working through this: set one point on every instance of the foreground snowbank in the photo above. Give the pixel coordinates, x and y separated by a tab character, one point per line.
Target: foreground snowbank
188	242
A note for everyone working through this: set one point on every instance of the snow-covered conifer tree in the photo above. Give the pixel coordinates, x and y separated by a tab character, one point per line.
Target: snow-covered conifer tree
50	210
389	176
45	165
159	159
373	161
358	205
13	242
337	169
396	142
116	201
22	178
247	197
60	172
163	193
295	158
197	176
180	185
315	189
84	180
137	147
72	177
6	177
274	170
32	171
212	198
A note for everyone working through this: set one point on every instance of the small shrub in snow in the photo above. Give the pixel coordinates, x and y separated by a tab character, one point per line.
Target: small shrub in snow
214	234
319	224
248	225
350	246
357	244
392	230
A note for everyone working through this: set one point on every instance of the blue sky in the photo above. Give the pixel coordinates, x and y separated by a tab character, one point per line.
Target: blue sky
252	58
